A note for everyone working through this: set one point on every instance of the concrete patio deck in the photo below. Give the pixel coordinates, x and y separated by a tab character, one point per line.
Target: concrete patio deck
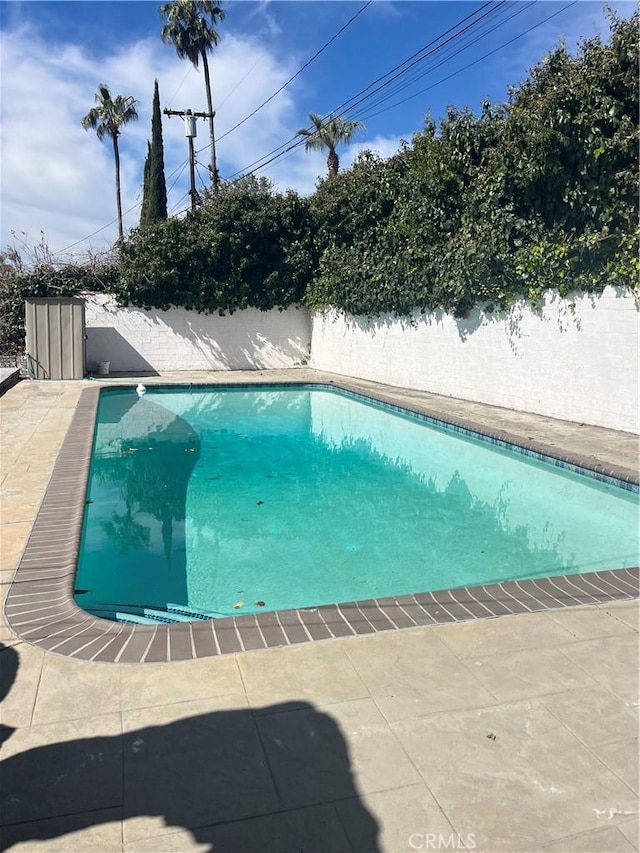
510	734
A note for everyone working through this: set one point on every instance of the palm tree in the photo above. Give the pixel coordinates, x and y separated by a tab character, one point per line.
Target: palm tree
329	133
106	118
189	26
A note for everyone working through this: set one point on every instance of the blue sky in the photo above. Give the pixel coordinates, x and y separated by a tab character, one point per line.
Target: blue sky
58	180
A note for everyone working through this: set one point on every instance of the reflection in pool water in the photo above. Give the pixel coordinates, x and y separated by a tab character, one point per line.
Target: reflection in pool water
133	539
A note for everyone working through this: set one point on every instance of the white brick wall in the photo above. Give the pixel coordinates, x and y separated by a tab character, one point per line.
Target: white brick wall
134	339
576	359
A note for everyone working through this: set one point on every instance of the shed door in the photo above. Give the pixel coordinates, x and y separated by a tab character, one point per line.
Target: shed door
56	338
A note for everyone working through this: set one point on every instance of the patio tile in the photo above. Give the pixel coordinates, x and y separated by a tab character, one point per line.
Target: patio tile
93	832
587	623
631	831
193	764
513	775
613	661
533	672
40	461
151	685
318	673
410	674
606	840
6	634
7	639
25	483
625	611
12	541
491	636
331	754
69	766
19	686
70	690
17	510
622	758
314	830
593	714
405	816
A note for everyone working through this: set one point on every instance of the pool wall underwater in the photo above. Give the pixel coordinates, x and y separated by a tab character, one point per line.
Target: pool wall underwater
40	607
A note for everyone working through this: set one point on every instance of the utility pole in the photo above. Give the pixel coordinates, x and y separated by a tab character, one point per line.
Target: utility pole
190	132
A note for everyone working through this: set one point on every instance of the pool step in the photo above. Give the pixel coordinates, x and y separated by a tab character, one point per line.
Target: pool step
150	616
187	612
135	619
144	615
167	615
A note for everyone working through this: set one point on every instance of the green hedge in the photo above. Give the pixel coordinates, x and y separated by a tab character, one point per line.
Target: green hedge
246	246
540	193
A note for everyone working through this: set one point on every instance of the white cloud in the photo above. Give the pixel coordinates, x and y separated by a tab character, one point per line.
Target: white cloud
263	12
59	179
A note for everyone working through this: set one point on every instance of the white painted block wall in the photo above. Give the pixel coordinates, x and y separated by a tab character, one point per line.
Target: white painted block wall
135	339
575	359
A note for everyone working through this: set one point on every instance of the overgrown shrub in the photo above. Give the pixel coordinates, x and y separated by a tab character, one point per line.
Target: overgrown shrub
539	193
246	246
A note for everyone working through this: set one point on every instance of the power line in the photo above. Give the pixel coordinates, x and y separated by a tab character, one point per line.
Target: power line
476	61
178	203
239	83
196	163
359	96
189	70
292	78
283	150
470	40
420	55
181	169
93	234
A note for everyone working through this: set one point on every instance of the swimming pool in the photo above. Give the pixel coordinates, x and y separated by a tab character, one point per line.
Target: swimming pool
212	503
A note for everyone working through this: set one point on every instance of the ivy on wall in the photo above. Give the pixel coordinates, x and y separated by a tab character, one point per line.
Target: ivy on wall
539	193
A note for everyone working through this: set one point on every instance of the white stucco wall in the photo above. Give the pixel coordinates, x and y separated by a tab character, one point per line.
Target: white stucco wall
134	339
575	359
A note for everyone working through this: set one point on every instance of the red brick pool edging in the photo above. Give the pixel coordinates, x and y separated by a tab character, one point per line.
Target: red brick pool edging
41	610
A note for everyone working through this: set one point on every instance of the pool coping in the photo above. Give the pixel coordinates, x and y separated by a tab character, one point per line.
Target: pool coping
41	610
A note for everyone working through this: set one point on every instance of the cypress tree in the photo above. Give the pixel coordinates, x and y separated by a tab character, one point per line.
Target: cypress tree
154	195
144	213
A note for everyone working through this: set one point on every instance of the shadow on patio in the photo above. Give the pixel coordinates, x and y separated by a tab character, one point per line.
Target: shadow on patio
236	779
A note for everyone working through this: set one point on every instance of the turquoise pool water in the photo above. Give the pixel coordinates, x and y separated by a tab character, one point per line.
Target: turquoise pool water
219	502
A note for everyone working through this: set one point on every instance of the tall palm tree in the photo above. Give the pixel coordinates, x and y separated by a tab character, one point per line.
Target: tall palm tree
189	26
106	118
329	133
